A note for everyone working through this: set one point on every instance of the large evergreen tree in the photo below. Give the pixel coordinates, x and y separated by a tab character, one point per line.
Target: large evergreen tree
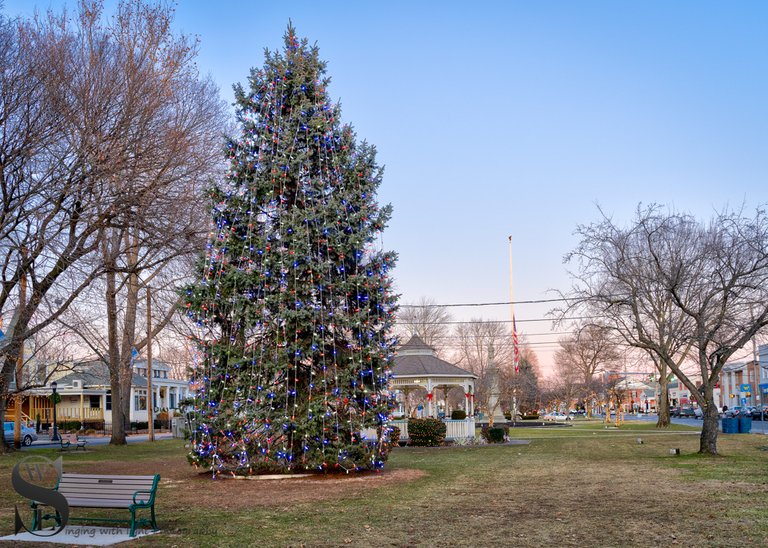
294	305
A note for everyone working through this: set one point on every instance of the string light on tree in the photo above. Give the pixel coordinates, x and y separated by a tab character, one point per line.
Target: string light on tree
294	304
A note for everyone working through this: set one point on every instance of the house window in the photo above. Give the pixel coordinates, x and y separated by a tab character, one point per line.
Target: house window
165	374
95	402
156	374
172	400
108	401
140	400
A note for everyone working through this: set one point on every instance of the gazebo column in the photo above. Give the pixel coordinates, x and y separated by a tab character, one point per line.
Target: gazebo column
467	400
430	397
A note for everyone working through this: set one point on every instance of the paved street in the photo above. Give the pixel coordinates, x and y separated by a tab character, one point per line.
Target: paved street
758	427
99	440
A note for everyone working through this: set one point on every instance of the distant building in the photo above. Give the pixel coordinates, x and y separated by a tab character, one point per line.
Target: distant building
740	383
86	394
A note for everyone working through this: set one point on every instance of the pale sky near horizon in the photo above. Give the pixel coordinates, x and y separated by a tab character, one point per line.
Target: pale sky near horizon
518	118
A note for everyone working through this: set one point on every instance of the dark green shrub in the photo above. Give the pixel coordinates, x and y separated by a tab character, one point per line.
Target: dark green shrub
69	425
494	434
458	415
93	424
426	432
144	425
394	435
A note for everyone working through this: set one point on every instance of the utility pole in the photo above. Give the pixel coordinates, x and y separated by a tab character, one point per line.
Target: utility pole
150	394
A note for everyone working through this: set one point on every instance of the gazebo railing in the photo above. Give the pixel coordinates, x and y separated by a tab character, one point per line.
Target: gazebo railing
454	429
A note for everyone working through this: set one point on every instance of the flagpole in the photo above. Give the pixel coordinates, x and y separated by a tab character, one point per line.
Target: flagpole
515	359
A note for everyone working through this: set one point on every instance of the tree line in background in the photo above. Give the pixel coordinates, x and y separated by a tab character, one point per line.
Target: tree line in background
583	354
108	135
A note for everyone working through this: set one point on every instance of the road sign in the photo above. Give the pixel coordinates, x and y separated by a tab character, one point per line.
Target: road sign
745	387
743	401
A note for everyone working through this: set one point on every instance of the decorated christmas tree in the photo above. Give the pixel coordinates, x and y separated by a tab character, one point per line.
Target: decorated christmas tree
294	308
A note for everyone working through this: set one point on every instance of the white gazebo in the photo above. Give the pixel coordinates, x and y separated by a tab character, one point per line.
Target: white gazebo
417	367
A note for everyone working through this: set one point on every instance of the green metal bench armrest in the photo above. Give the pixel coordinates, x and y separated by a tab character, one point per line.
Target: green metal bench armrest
144	503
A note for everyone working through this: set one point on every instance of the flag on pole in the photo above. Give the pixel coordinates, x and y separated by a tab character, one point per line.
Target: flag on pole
516	348
134	355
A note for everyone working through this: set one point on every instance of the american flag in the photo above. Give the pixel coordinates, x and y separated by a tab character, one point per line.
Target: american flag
516	349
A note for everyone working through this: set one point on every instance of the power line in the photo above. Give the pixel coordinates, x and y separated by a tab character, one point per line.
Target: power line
507	321
536	301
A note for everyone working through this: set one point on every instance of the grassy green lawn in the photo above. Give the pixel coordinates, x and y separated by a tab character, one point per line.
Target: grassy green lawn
576	486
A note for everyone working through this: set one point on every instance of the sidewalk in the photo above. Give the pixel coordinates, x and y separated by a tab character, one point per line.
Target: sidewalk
101	440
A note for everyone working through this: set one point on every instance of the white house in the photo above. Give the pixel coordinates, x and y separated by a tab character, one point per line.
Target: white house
86	394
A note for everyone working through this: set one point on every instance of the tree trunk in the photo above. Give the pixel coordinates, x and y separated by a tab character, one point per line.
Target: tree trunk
118	415
711	427
709	431
3	401
662	405
127	345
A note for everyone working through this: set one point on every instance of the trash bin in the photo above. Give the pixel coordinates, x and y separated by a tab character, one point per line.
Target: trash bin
730	425
745	425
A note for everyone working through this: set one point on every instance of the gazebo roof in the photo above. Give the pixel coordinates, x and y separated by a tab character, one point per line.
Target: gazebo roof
417	359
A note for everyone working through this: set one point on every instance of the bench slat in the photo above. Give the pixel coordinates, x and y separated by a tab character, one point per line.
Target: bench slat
100	494
72	475
99	503
103	489
118	486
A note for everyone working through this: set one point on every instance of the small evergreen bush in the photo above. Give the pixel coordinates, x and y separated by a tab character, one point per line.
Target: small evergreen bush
494	434
72	426
458	415
426	432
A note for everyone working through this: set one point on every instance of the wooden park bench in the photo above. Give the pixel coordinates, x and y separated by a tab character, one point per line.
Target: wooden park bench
68	440
131	493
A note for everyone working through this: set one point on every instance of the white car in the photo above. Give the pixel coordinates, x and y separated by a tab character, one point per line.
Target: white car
557	417
28	435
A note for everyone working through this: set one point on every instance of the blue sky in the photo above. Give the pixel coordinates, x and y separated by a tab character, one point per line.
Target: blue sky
517	118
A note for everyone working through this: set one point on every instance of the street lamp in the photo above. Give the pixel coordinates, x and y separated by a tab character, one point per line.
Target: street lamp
55	436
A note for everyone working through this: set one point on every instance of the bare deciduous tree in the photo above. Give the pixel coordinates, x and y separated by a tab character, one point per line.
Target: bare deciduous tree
590	348
616	281
427	320
111	135
682	284
476	340
165	126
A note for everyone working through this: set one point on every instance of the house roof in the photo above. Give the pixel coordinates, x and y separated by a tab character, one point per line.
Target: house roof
156	365
95	373
417	359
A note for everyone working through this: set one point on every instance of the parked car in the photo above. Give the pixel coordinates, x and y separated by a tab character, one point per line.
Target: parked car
738	411
698	412
760	412
686	411
28	435
674	411
557	417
